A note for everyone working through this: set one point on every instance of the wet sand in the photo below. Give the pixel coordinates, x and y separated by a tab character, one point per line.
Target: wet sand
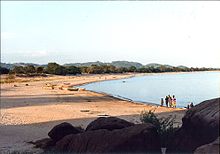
29	112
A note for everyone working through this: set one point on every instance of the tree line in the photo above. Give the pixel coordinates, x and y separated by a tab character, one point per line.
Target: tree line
54	68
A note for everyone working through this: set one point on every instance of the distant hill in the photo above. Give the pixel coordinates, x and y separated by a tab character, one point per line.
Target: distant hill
182	67
126	64
8	66
153	65
86	64
11	66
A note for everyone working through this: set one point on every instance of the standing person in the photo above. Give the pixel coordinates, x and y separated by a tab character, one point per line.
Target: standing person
174	101
166	100
191	105
187	106
162	101
170	101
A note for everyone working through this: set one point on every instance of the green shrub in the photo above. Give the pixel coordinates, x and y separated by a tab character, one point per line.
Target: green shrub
150	117
165	126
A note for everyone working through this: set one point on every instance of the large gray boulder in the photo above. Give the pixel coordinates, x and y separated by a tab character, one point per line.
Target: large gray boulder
109	123
61	130
200	126
211	148
137	138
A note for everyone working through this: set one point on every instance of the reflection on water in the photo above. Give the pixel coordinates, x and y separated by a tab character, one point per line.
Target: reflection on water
187	87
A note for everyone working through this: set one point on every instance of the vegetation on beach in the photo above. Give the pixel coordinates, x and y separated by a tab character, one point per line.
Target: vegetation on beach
93	68
165	126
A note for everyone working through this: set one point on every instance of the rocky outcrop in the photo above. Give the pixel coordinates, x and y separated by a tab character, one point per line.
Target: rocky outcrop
200	126
109	123
61	130
45	143
211	148
136	138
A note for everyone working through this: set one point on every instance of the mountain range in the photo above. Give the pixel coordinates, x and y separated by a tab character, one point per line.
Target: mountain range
126	64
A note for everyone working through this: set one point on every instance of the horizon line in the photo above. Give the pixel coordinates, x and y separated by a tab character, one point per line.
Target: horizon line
107	62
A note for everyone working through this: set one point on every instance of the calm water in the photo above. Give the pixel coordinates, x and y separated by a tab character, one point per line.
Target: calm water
187	87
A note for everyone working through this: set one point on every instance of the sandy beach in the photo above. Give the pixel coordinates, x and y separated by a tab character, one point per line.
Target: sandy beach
30	109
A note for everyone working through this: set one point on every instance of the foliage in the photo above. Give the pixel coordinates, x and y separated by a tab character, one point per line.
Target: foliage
60	70
73	70
40	69
132	69
18	70
96	68
54	68
150	117
29	69
165	126
4	70
51	67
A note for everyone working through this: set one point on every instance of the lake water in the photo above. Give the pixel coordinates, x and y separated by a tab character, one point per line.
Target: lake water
187	87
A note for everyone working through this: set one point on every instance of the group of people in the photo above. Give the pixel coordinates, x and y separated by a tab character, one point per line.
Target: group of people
170	101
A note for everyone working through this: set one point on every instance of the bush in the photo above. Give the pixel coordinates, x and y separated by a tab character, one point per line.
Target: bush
4	70
150	117
73	70
165	126
18	70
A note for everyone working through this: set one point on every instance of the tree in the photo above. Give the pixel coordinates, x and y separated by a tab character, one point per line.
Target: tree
73	70
51	67
112	69
132	69
4	70
40	69
60	70
122	70
30	69
18	70
54	68
84	69
162	68
95	69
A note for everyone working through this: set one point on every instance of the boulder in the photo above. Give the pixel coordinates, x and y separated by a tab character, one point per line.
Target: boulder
200	126
45	143
211	148
109	123
61	130
138	138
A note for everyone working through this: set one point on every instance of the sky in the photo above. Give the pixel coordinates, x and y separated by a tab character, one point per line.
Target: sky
167	32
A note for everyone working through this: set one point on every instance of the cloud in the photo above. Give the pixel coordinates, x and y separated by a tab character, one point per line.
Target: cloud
7	35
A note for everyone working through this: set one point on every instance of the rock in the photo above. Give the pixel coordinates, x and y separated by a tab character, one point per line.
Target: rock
211	148
137	138
109	123
73	89
45	143
61	130
200	126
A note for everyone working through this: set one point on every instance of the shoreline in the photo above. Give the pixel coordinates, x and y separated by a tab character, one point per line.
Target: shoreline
29	112
130	100
50	76
138	75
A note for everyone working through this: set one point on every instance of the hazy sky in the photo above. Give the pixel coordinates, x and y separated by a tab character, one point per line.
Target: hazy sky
175	33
